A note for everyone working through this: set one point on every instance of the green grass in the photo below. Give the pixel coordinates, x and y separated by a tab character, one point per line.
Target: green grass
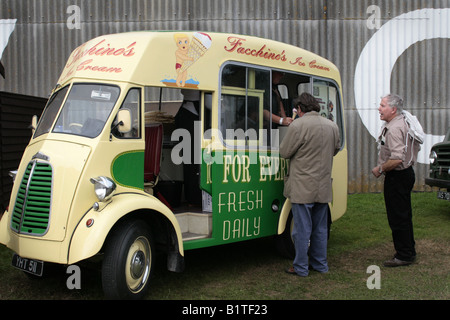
253	271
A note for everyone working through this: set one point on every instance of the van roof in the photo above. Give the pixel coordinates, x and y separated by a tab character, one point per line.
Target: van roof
156	58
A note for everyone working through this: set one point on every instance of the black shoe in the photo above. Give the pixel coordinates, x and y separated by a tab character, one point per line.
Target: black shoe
396	263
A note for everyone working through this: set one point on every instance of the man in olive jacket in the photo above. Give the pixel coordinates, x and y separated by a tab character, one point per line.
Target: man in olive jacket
310	143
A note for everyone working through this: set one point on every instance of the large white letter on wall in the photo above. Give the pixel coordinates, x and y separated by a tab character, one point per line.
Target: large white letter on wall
377	59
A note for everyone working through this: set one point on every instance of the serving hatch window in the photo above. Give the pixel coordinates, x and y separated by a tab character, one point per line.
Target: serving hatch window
244	92
86	109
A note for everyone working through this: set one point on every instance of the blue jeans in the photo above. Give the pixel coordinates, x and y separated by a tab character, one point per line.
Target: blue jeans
310	230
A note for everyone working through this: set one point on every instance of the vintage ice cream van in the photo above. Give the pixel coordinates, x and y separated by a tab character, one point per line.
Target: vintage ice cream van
164	141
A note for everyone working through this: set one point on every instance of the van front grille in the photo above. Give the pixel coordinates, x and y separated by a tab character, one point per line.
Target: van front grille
31	214
443	155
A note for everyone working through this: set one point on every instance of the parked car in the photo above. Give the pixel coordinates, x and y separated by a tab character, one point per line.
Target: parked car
440	168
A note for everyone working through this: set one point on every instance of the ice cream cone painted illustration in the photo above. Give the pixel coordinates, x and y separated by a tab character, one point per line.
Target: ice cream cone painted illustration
181	54
200	43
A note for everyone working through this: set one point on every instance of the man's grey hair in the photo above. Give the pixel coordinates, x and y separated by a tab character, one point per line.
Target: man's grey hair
394	101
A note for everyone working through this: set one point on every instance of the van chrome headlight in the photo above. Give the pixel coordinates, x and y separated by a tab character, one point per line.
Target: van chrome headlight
433	157
104	187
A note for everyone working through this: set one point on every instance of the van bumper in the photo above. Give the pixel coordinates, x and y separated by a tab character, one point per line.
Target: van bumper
438	183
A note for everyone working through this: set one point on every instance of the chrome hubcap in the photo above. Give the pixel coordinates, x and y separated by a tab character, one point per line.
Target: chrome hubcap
138	264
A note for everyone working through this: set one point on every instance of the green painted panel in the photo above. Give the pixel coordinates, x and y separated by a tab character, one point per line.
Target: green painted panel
127	169
244	186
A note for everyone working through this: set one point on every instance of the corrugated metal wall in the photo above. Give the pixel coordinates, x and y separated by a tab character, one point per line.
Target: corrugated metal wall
382	35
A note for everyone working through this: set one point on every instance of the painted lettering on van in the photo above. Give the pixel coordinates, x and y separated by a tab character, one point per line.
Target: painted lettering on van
272	168
236	168
314	65
236	44
101	50
240	201
241	228
86	65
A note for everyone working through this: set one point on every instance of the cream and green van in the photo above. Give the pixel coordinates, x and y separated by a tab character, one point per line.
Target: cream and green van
162	141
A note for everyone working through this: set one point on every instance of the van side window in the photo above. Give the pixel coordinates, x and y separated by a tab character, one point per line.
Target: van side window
327	94
50	112
132	103
207	115
244	92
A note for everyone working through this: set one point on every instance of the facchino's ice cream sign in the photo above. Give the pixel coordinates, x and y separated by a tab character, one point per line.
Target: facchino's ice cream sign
83	58
238	45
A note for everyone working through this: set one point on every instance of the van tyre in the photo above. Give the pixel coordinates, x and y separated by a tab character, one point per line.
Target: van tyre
128	261
283	242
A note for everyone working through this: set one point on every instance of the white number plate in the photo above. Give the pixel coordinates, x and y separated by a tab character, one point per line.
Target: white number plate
443	195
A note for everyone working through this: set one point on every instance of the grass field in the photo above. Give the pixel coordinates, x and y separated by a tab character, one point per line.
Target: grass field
252	270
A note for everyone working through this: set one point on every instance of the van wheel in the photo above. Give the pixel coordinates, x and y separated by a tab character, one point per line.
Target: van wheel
283	242
128	261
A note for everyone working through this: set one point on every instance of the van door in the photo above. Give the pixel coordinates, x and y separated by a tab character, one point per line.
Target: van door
246	180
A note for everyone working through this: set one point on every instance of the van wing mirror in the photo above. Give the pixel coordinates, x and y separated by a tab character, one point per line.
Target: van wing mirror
124	120
34	121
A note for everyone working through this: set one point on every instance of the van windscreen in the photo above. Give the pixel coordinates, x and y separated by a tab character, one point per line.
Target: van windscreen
86	109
